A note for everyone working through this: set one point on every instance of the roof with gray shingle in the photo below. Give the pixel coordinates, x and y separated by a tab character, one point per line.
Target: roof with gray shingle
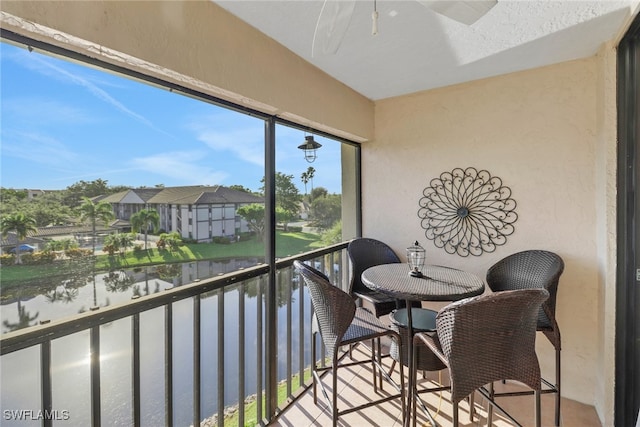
223	195
143	193
199	194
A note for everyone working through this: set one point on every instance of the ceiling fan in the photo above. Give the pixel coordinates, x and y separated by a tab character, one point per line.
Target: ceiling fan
335	17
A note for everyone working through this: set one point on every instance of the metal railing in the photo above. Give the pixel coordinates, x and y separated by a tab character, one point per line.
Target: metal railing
222	366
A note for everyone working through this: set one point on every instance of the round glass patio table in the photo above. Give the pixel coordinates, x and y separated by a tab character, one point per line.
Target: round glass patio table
437	284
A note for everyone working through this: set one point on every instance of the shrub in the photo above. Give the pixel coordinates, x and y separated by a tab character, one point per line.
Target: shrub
38	258
75	253
246	236
7	259
221	240
110	249
137	248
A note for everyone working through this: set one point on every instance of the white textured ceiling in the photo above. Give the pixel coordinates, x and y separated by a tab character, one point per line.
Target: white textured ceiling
417	49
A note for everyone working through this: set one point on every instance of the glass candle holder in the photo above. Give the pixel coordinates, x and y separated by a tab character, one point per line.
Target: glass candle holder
416	256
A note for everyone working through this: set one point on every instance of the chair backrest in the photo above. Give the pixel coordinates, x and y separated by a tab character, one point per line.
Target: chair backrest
334	309
365	252
490	338
530	269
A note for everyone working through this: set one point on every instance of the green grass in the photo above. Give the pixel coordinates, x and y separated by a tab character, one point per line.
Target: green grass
287	244
250	410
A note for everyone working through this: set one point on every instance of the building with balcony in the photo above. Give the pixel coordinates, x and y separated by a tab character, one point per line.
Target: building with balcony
195	212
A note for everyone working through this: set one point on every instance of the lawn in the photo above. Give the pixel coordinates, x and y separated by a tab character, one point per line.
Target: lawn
287	243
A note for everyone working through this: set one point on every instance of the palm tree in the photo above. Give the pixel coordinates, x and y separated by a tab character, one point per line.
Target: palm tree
310	173
144	220
125	240
20	224
305	180
94	212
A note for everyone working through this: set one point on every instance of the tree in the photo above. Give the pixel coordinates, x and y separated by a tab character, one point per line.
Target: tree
83	189
239	187
254	215
173	240
326	211
318	192
288	197
94	212
284	217
20	224
145	219
310	174
304	177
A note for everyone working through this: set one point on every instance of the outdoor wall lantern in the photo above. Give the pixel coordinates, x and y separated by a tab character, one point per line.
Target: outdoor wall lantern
309	147
416	257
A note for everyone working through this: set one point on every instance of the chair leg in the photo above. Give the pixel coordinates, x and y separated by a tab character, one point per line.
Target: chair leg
490	408
455	414
537	408
373	365
558	387
413	395
403	394
379	351
313	368
334	408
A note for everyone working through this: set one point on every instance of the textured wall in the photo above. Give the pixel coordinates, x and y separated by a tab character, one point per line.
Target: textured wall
537	131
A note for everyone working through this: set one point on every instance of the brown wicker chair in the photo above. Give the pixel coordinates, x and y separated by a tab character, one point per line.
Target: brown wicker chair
529	270
365	252
340	323
485	339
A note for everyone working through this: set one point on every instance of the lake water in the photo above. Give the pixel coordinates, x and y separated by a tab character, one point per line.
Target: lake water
70	355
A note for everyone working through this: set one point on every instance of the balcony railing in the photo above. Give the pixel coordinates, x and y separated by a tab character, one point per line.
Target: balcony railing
174	358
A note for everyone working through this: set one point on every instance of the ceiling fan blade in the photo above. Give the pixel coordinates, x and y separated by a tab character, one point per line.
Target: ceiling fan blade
466	12
332	25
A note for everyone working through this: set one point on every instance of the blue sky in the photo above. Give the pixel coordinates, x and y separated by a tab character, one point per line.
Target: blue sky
62	122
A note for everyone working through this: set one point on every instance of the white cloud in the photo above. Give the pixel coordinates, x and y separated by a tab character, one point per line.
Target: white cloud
38	148
48	68
43	111
181	166
235	133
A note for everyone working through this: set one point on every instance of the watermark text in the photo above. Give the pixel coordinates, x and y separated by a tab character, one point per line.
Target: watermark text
30	414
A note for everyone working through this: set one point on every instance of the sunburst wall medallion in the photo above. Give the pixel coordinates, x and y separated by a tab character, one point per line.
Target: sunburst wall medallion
467	211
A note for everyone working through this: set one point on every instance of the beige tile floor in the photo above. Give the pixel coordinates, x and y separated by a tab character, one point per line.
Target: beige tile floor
354	387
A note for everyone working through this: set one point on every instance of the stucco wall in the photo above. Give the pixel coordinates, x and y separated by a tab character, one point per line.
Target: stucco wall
201	46
606	178
536	130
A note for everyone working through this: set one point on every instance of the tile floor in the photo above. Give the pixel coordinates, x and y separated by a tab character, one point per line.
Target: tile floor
354	386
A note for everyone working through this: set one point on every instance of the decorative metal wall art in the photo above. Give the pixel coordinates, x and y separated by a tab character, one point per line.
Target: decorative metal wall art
467	211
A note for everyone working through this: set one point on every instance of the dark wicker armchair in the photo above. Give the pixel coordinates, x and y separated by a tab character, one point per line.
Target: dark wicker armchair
534	269
365	252
485	339
340	323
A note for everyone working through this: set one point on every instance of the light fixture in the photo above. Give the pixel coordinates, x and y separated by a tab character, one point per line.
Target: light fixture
416	256
309	147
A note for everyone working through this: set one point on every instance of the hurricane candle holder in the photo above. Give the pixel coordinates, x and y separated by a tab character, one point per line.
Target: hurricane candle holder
416	257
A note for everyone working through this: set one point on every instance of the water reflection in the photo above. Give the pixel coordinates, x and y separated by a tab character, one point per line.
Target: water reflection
80	289
221	340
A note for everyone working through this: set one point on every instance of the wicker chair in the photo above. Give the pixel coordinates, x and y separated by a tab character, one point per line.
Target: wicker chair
529	270
424	359
485	339
364	253
340	323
